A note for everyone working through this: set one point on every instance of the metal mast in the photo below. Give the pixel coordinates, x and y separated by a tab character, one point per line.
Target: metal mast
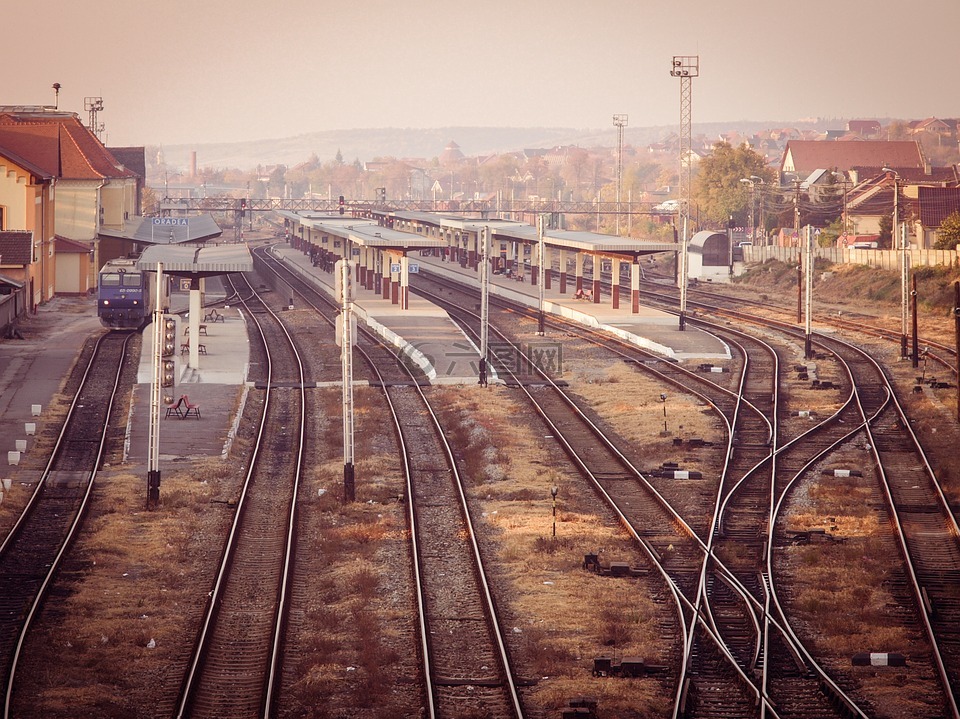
620	121
93	105
686	67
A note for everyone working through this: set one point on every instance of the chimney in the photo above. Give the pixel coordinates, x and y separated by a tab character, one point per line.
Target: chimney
193	163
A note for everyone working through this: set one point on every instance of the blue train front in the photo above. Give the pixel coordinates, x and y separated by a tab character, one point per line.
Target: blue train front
123	295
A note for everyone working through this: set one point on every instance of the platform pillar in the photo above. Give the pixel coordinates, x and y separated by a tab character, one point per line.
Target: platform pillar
597	265
404	282
579	271
547	266
394	282
635	288
615	283
385	272
563	271
196	314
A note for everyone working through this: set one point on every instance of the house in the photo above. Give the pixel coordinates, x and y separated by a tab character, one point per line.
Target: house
94	189
934	205
18	264
864	128
27	225
73	266
862	158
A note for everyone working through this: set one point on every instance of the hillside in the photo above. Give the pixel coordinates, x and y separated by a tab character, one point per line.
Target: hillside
367	144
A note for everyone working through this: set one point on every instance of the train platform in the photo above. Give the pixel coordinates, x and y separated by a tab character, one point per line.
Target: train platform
424	332
651	329
217	386
32	372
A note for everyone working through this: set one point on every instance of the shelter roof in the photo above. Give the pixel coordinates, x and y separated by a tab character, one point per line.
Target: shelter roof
16	284
583	241
66	245
15	247
183	260
166	230
367	233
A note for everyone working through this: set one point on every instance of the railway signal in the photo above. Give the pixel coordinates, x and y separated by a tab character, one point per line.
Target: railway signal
168	373
340	202
169	335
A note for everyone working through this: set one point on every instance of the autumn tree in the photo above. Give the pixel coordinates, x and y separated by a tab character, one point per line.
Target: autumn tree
717	190
948	234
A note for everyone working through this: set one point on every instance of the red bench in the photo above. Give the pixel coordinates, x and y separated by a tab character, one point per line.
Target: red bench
190	410
174	408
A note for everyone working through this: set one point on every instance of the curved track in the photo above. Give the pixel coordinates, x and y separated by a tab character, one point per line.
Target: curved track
33	551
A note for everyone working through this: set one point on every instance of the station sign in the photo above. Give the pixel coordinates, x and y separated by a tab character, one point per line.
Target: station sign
394	267
170	222
413	268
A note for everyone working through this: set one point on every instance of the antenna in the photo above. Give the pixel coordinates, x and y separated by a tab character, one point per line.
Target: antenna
93	105
56	91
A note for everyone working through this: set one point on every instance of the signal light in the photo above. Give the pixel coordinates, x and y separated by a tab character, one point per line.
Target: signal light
169	335
341	204
168	373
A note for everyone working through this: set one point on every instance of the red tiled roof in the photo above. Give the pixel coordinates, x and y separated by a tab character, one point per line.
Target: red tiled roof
809	155
60	144
936	204
66	245
15	247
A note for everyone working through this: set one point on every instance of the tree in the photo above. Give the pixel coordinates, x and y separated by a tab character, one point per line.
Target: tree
717	189
886	232
948	234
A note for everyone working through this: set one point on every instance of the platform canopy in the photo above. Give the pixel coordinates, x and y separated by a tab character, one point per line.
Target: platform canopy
593	242
166	230
190	261
364	233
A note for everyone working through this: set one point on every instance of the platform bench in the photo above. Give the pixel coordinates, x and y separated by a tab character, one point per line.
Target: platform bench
190	410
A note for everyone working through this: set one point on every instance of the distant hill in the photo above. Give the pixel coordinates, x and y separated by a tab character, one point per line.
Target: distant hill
368	144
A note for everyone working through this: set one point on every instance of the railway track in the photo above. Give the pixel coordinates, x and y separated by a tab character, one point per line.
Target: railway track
731	598
33	551
466	664
925	527
236	664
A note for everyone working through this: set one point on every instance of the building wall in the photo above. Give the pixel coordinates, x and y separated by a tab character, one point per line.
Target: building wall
77	209
15	197
69	279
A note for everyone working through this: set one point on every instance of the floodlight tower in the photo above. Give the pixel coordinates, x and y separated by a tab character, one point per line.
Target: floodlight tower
686	67
620	122
93	105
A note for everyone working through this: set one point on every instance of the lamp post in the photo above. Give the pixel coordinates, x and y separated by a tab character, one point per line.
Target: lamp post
619	121
663	399
900	234
753	192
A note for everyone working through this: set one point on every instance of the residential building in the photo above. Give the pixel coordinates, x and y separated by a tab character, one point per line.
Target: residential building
93	188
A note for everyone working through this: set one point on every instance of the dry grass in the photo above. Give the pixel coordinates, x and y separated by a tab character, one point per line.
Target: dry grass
562	616
839	596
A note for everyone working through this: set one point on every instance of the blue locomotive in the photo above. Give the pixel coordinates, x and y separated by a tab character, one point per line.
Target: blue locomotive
126	295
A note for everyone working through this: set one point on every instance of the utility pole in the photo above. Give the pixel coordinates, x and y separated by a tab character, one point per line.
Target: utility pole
808	328
685	67
915	355
484	302
344	273
543	270
153	439
619	121
956	330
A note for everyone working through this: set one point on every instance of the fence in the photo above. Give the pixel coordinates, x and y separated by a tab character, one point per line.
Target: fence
881	259
12	307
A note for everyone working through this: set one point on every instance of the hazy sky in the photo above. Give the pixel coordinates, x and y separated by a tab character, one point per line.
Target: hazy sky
200	71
